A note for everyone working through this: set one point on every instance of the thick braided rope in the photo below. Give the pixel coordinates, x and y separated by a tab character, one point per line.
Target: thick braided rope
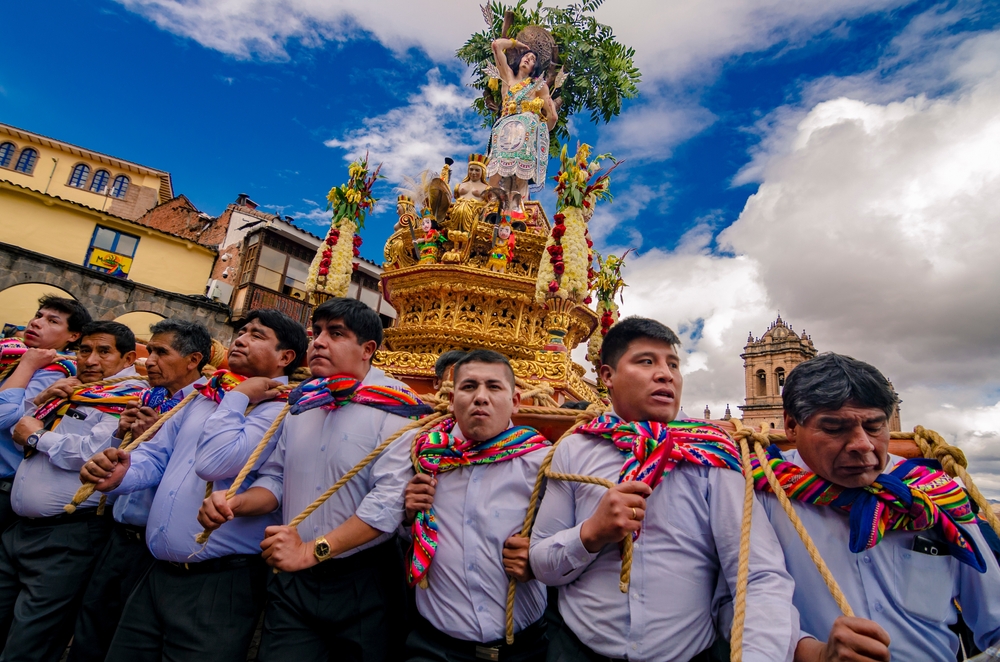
128	445
761	440
423	423
582	417
953	461
743	567
202	538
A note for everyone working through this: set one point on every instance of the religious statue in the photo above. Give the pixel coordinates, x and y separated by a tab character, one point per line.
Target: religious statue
404	209
519	144
469	195
430	244
503	248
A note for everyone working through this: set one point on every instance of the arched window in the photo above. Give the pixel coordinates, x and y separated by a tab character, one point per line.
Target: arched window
761	383
120	187
6	154
100	182
26	162
81	173
779	379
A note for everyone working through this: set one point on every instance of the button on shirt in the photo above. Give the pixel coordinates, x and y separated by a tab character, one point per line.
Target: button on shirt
47	481
319	446
477	508
908	593
168	459
12	406
684	563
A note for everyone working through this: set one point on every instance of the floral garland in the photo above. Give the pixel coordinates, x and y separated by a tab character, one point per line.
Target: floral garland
567	273
608	285
331	269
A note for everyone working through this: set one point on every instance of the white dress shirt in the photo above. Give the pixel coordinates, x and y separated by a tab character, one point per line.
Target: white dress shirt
319	446
167	462
684	563
47	481
477	508
908	593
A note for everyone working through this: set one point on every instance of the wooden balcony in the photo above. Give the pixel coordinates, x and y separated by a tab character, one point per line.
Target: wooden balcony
252	297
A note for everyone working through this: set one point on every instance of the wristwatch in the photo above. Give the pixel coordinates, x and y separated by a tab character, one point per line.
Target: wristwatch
321	549
32	440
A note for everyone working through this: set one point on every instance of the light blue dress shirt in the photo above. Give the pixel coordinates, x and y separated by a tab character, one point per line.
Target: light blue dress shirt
167	461
477	508
12	405
317	447
47	481
908	593
684	563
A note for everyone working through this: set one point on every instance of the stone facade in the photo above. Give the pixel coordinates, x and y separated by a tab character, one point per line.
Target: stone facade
107	297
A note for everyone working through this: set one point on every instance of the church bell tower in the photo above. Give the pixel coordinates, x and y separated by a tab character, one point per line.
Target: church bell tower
767	360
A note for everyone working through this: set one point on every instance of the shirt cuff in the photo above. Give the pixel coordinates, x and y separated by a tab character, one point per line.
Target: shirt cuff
46	439
378	516
575	551
272	485
235	401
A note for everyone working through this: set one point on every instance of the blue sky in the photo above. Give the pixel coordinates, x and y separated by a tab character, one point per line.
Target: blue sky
834	160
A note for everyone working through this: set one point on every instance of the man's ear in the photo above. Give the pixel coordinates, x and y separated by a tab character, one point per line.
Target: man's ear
285	357
517	401
791	428
194	359
606	374
369	347
129	358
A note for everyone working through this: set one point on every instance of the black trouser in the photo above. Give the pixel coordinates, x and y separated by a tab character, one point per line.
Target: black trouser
188	611
7	514
428	644
349	610
120	565
567	647
44	566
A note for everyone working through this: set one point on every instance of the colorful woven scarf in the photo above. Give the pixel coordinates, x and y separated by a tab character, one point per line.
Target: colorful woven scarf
336	391
158	399
652	449
110	399
12	349
438	451
224	381
915	495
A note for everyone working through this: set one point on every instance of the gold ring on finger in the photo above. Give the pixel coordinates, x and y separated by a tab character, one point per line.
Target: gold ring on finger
633	513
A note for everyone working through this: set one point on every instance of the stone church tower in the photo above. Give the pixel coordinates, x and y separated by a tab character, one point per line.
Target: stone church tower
767	360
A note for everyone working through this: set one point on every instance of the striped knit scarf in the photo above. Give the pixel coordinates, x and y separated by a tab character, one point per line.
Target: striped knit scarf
334	392
652	449
12	349
915	495
438	451
224	381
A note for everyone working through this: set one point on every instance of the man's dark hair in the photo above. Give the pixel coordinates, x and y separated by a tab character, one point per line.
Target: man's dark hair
446	360
485	356
290	333
829	381
124	338
77	316
630	329
189	337
363	322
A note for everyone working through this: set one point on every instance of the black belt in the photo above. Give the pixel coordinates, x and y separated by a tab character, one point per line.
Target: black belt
495	651
383	554
79	515
132	533
220	564
6	485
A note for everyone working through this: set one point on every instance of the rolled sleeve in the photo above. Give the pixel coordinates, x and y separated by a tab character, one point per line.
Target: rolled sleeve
231	436
383	506
271	476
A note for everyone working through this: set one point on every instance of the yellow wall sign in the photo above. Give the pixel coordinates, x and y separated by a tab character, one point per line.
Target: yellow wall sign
117	265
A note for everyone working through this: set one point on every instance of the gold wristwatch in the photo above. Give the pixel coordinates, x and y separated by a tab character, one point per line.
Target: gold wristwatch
321	549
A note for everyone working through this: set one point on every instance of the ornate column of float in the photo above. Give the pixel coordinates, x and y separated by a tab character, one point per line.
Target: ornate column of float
331	269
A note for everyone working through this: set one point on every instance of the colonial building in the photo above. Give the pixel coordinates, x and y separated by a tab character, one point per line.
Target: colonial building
69	221
263	258
767	361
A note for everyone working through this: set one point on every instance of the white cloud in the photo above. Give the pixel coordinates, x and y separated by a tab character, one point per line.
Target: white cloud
436	122
875	228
